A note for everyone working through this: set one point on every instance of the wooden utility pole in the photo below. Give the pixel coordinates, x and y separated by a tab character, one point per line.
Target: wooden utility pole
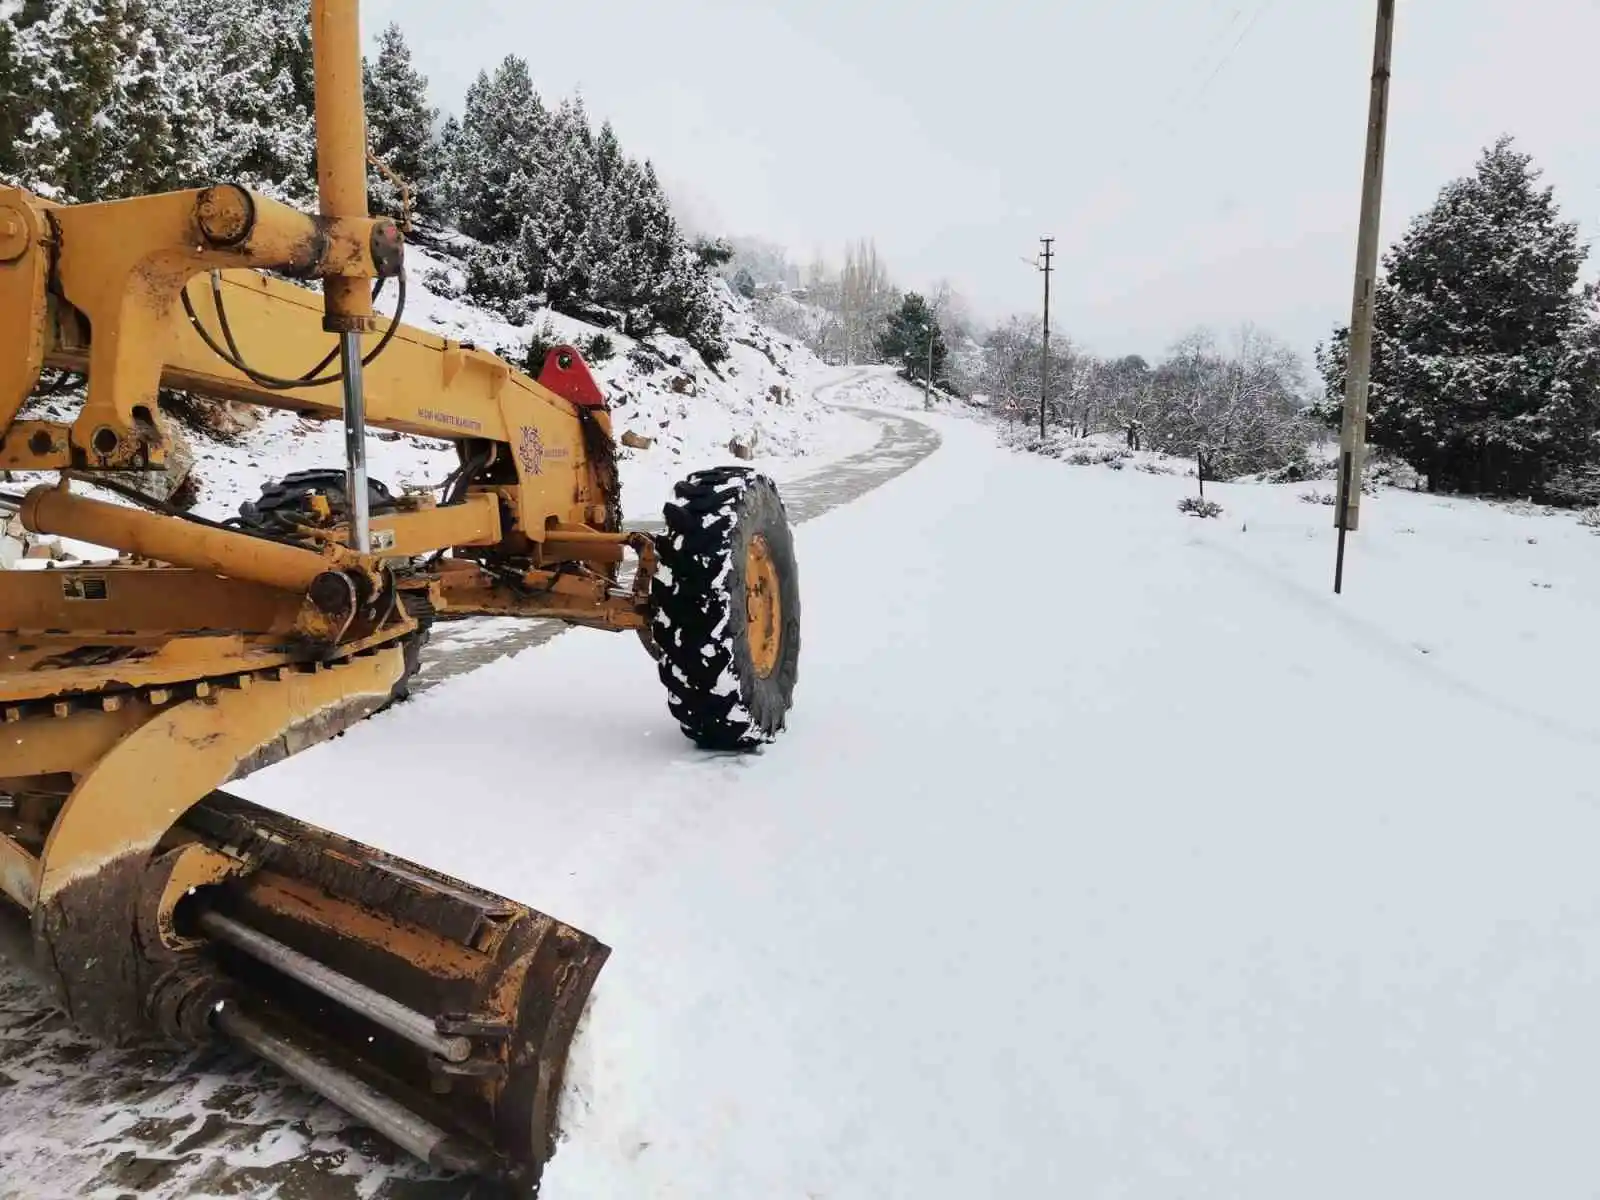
1044	374
1358	365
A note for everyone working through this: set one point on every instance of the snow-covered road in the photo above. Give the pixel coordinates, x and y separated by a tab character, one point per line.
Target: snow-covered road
1104	856
1107	854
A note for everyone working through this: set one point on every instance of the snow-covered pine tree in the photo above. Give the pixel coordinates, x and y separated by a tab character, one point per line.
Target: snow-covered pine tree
104	97
400	129
905	338
608	227
559	240
15	93
500	153
1483	348
155	139
257	128
494	170
652	236
646	269
449	150
68	62
622	271
685	303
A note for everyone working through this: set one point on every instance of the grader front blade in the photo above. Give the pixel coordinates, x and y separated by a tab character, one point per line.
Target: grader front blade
437	1013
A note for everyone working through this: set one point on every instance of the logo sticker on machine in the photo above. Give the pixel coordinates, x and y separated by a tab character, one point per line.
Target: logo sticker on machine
530	450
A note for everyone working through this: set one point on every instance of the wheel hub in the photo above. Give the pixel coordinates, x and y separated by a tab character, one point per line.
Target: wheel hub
763	606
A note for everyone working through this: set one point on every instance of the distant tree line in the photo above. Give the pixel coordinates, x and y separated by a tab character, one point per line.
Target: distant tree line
1240	406
102	99
1485	366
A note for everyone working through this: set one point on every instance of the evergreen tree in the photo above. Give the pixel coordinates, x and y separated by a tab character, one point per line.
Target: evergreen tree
400	129
69	60
713	252
257	128
155	142
502	151
559	242
911	331
608	159
447	193
16	95
1483	372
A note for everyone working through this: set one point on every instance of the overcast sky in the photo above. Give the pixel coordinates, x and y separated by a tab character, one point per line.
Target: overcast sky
1198	161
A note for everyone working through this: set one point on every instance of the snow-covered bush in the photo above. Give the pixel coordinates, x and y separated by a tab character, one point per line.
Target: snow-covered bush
1577	487
1199	507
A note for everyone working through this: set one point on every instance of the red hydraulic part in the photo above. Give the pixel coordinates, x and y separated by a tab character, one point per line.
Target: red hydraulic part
567	375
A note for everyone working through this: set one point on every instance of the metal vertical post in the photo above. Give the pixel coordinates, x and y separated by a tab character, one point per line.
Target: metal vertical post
1358	367
1044	373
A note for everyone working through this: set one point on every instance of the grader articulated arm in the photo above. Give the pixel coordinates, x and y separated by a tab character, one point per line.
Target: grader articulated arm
132	691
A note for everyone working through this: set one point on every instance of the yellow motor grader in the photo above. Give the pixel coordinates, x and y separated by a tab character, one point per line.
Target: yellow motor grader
133	690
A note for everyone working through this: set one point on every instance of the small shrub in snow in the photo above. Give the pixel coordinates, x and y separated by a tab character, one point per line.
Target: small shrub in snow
1195	506
644	360
1578	487
1153	468
1081	458
442	281
1383	468
599	349
1590	518
1297	470
1327	498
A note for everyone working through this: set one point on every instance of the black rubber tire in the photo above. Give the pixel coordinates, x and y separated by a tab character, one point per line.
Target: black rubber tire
698	618
420	609
285	501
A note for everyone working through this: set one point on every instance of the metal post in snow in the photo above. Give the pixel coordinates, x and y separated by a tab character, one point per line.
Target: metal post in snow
1358	367
1044	372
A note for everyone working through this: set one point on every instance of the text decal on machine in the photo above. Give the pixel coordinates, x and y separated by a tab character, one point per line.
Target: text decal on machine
444	418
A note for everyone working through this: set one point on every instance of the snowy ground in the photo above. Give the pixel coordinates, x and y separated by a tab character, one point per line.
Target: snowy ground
1108	854
1178	876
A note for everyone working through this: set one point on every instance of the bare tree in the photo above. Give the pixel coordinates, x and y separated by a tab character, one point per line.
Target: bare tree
1241	407
866	298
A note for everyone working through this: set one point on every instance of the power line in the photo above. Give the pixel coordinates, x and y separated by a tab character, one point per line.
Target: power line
1204	54
1237	42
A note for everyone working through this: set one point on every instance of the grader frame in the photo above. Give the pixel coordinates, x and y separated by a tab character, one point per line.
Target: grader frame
132	691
